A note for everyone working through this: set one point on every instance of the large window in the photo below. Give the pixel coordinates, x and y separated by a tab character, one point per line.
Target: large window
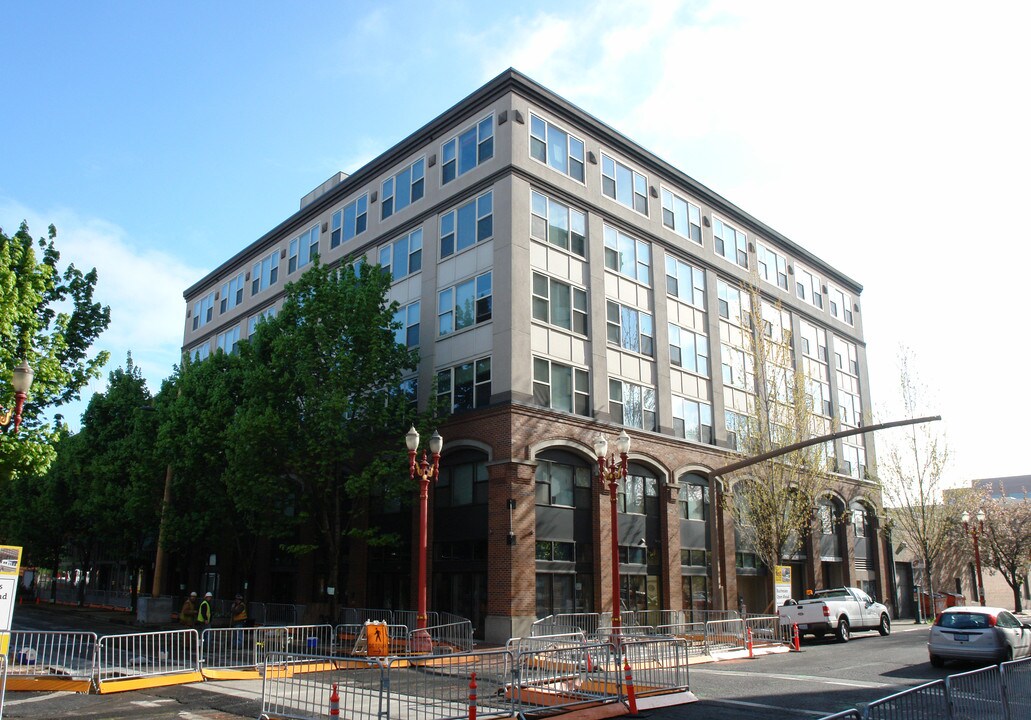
624	184
688	350
229	341
403	256
685	282
681	216
465	386
557	148
631	497
231	294
265	273
730	242
557	223
841	305
632	405
692	420
203	310
303	248
556	484
463	483
467	225
403	189
466	150
465	304
561	387
738	370
734	304
627	255
349	221
559	304
408	333
773	267
807	286
630	328
737	428
694	499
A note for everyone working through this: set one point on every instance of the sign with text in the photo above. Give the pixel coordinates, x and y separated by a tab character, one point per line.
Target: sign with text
10	561
782	583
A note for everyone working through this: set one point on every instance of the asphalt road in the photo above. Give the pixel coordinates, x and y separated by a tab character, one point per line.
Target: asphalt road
825	677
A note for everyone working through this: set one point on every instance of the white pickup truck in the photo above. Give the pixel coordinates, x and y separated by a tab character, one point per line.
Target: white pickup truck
838	610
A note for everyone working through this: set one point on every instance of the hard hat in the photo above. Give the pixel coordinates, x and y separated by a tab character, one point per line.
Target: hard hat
207	595
193	594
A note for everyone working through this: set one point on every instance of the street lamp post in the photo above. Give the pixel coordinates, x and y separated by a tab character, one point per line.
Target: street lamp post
21	381
975	533
426	470
611	473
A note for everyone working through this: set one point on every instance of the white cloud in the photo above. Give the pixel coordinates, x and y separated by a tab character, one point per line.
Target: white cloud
143	288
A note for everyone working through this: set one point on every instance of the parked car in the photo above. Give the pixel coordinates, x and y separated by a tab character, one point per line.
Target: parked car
972	632
838	610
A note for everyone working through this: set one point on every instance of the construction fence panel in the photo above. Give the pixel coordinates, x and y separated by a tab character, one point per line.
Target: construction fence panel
570	622
692	633
352	640
172	656
1016	685
724	635
246	648
765	629
452	637
439	687
66	660
844	715
976	694
567	678
361	687
359	616
546	642
924	702
410	618
657	665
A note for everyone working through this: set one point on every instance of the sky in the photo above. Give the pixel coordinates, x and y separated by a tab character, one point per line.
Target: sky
890	139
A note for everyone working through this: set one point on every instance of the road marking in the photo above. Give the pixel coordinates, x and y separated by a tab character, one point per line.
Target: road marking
153	703
803	678
816	713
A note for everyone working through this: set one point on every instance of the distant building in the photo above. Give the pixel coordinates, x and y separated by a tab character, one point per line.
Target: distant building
561	282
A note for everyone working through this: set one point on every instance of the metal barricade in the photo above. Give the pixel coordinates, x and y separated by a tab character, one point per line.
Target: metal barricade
976	694
3	683
765	629
410	618
1016	687
246	648
659	665
361	686
693	635
723	635
280	614
174	654
351	640
569	622
605	633
438	688
359	616
924	702
844	715
565	678
453	637
546	642
51	660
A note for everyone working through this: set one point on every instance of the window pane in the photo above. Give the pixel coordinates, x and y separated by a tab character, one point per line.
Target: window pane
562	387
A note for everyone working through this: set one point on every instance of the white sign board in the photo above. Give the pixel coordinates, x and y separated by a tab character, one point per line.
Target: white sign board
10	559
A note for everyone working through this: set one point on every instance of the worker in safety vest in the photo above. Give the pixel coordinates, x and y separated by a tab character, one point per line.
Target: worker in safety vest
239	612
188	613
204	612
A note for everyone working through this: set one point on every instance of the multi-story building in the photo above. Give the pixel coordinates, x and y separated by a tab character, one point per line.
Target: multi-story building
561	282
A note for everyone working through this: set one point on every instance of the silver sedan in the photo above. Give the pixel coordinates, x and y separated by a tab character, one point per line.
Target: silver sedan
972	632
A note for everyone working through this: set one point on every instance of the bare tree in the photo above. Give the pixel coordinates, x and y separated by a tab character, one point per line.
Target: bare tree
774	503
911	476
1006	541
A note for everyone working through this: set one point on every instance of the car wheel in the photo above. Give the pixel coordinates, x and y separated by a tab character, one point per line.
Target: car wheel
844	632
885	627
937	661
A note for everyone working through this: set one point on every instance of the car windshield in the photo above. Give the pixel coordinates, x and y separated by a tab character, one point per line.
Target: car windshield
839	593
964	621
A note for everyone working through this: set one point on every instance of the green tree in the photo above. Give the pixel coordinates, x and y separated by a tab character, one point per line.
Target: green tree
323	413
774	502
121	474
47	317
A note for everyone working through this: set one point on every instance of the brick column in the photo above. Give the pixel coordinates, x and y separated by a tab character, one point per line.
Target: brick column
511	568
669	522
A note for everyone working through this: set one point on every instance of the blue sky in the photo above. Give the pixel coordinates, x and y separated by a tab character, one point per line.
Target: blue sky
889	138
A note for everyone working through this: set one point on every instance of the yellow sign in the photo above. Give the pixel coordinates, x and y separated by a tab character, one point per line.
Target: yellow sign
10	561
782	582
377	638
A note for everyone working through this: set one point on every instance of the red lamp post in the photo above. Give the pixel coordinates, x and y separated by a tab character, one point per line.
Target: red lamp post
611	473
426	470
21	381
975	533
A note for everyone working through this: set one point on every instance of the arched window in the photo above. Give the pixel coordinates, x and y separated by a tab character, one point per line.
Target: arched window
694	497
